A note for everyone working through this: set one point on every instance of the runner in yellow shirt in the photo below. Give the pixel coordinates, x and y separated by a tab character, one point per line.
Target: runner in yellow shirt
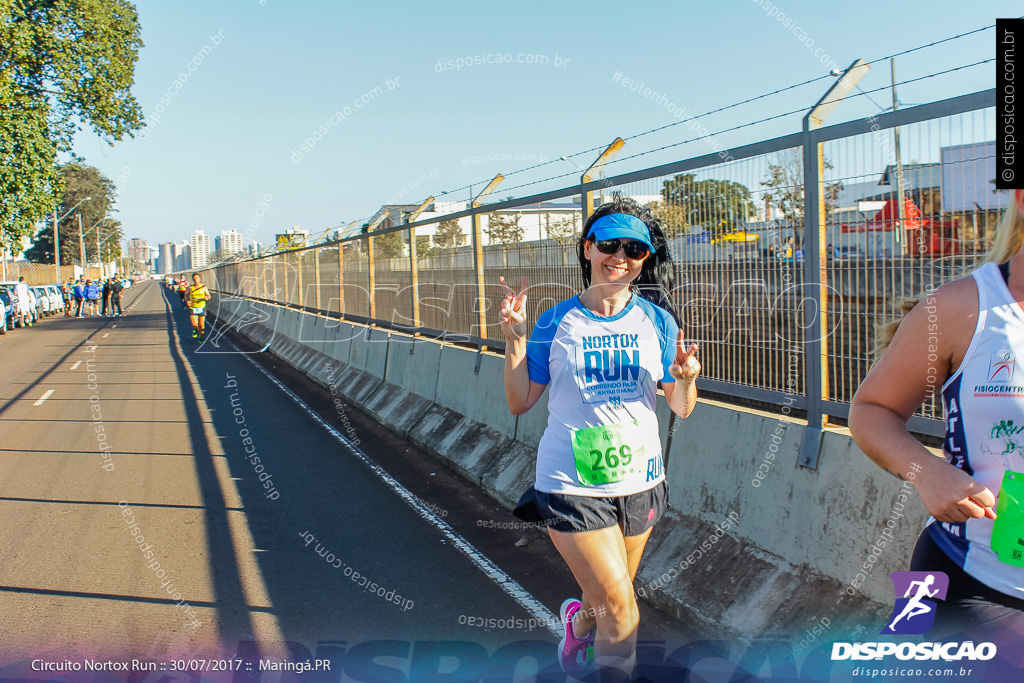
196	296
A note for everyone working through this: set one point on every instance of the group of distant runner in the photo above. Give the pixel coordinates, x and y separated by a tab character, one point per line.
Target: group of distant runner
193	298
87	298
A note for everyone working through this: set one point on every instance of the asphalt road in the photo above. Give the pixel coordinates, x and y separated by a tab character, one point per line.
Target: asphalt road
136	523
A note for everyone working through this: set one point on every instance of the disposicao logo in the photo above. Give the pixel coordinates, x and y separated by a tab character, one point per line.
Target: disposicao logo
917	594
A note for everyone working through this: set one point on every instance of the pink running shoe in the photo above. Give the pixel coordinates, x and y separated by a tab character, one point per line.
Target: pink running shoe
574	654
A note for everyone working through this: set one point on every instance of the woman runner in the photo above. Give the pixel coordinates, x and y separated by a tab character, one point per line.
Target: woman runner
600	482
965	336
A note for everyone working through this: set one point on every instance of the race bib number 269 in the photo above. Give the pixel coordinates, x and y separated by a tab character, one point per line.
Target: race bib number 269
607	453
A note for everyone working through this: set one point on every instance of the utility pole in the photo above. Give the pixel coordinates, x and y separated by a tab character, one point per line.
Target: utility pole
56	247
81	243
901	233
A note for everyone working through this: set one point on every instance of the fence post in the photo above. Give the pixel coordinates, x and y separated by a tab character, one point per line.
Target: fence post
413	267
816	261
478	268
287	297
273	268
414	276
815	279
478	257
372	280
341	280
298	279
316	276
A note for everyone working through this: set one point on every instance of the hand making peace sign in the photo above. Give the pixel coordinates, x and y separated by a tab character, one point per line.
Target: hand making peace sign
512	313
685	365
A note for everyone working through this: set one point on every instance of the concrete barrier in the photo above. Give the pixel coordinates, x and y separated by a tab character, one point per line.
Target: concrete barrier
753	544
473	385
410	383
338	341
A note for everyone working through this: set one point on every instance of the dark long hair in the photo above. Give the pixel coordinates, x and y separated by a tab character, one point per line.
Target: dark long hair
657	277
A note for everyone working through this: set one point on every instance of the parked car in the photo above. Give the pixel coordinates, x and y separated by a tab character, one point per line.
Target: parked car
37	304
845	253
42	301
56	298
10	299
33	306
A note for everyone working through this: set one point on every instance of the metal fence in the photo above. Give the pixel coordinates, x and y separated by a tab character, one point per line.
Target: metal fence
44	274
779	282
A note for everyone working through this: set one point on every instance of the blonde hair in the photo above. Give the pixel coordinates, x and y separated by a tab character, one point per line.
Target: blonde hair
1007	242
1009	234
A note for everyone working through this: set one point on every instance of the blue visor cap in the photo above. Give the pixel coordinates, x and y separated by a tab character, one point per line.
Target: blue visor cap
621	225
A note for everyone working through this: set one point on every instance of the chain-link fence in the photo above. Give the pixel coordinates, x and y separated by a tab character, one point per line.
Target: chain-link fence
788	252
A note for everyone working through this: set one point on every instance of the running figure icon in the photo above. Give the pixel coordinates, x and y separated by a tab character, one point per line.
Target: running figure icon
914	609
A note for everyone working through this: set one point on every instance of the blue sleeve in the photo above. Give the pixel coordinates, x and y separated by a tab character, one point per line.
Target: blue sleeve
538	348
668	332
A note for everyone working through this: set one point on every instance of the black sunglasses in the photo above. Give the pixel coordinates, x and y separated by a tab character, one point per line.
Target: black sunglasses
633	250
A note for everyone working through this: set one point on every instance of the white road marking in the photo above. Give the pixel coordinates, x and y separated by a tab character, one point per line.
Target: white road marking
42	399
107	334
491	570
75	366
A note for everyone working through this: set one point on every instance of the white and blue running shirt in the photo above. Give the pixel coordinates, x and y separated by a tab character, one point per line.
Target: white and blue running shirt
983	404
600	371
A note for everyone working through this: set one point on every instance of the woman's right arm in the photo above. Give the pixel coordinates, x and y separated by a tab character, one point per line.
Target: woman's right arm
914	366
520	392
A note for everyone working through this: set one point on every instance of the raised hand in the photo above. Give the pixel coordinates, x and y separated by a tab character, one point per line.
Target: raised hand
685	365
512	313
952	495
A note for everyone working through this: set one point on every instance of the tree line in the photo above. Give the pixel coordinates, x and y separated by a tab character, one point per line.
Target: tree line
64	66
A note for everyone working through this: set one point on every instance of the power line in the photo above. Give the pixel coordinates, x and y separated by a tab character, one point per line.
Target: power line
803	109
725	108
760	121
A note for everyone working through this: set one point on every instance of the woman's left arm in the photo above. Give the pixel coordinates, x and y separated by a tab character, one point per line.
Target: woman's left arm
682	394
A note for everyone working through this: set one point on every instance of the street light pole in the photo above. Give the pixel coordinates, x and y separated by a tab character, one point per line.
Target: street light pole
56	235
56	248
99	254
81	244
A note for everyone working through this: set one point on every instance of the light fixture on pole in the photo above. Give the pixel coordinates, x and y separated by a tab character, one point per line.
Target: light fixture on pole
56	236
81	237
99	254
597	168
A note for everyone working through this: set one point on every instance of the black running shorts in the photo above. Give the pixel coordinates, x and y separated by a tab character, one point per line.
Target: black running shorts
574	514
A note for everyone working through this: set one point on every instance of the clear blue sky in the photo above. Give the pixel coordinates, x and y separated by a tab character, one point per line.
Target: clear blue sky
232	133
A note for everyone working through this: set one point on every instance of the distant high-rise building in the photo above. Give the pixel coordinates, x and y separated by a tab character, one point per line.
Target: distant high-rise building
167	254
181	257
231	242
199	243
138	251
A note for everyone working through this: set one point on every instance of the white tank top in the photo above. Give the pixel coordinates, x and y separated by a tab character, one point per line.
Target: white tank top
983	404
